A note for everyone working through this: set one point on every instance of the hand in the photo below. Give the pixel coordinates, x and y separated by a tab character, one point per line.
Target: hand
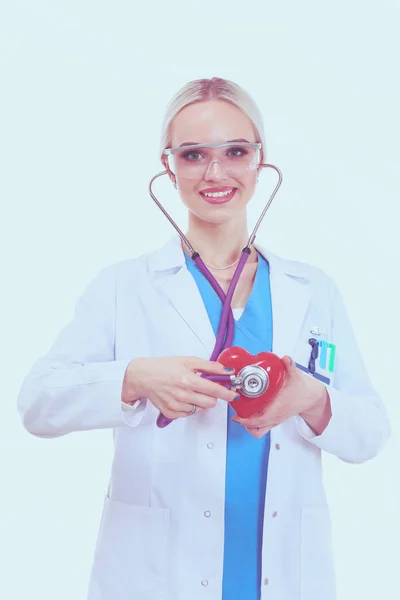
299	395
171	384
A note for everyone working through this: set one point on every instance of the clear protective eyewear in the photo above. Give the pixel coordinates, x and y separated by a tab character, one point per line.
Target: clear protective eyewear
195	161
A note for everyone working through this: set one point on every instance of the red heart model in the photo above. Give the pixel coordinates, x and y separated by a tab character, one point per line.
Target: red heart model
238	358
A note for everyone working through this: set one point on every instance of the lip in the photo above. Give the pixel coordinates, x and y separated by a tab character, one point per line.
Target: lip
222	199
223	188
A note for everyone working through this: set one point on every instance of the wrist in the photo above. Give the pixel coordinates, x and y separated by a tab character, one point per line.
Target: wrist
318	396
319	414
131	388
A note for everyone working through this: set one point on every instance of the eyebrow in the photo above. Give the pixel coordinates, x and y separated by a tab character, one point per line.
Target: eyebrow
202	143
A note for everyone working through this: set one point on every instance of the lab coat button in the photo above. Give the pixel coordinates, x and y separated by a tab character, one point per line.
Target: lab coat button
274	514
207	514
210	445
277	446
266	581
204	583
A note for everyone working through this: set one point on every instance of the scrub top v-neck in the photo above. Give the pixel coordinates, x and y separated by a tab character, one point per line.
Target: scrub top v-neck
246	456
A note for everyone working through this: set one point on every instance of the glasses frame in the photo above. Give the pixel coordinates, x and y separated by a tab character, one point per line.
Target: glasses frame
169	151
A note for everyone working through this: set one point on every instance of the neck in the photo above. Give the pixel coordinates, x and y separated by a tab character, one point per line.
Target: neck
219	245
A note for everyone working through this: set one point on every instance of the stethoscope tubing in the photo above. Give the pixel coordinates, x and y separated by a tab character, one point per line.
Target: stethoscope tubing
226	327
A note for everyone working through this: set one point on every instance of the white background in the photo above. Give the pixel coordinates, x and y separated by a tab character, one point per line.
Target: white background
84	85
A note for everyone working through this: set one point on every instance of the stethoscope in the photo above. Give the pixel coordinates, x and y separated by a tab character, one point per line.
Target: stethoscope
251	380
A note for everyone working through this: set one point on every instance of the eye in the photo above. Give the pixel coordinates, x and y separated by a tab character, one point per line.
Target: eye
236	152
192	155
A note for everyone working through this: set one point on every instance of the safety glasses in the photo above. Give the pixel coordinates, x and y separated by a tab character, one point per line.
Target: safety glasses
200	160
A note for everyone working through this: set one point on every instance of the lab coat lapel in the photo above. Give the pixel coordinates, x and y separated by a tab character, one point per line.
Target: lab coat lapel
183	293
290	295
181	290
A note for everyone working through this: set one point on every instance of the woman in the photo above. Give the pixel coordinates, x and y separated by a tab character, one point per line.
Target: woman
211	506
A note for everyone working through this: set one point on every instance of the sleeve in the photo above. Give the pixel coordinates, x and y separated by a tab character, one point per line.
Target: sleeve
359	427
77	386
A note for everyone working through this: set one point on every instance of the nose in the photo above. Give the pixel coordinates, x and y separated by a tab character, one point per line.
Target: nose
215	172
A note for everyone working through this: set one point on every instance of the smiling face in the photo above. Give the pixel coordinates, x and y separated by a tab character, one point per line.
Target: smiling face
216	196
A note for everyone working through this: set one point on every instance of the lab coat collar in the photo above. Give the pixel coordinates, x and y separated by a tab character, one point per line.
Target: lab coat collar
290	295
171	256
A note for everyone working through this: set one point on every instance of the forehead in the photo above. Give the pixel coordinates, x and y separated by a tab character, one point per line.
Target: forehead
211	122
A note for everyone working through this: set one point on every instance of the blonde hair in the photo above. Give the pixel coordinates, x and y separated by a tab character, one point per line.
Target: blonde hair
201	90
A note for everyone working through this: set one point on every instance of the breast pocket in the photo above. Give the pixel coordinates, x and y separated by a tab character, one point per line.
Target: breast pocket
324	356
317	568
132	553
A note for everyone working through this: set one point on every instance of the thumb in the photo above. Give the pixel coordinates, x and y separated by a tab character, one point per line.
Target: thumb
289	364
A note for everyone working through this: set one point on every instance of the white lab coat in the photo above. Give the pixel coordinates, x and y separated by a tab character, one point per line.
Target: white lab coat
162	529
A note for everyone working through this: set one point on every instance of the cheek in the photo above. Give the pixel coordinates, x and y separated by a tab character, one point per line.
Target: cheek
188	194
186	189
248	184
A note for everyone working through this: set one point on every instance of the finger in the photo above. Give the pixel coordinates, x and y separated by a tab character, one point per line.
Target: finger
173	406
206	366
258	432
183	411
210	388
202	400
189	413
255	421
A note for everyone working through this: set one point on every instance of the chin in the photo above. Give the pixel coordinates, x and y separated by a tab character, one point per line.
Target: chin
219	216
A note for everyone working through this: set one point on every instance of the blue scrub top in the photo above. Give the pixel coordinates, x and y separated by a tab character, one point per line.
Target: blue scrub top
247	457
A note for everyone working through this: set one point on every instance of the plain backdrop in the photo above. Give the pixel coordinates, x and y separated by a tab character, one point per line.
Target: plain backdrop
84	85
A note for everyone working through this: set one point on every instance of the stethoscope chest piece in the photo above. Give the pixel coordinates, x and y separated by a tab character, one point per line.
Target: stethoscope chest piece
254	381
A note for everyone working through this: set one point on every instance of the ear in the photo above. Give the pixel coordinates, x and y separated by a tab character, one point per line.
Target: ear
172	177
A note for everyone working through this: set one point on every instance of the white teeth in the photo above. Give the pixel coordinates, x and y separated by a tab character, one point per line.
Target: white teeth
217	194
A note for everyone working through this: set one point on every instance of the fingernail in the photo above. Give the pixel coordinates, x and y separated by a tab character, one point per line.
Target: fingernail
229	369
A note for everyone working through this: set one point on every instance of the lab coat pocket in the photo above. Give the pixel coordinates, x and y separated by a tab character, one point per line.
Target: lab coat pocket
131	557
317	568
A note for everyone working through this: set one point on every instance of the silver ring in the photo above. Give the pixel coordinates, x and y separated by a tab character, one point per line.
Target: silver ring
192	411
